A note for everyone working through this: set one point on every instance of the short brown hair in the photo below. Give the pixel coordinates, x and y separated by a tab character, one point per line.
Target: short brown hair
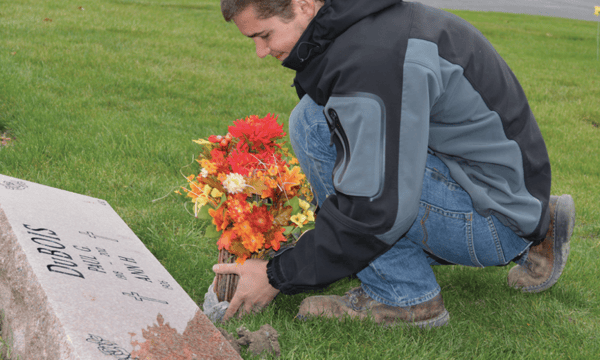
264	8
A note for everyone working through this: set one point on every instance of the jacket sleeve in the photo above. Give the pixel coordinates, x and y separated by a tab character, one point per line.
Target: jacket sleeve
381	153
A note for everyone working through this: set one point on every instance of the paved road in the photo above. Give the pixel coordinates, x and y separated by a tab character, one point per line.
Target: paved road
573	9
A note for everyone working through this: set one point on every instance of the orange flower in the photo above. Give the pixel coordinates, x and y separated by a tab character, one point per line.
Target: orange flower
237	207
222	177
275	238
291	178
209	166
268	194
254	242
244	229
219	219
238	249
241	259
226	239
269	183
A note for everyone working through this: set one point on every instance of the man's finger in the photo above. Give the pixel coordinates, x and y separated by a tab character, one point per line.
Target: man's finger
224	269
247	308
233	307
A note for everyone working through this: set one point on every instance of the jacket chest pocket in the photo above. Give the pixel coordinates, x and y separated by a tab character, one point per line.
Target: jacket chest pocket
358	120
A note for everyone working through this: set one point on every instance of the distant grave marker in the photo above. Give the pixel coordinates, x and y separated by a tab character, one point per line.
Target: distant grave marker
76	282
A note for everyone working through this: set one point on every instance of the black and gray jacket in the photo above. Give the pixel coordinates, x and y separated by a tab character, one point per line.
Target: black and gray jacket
398	79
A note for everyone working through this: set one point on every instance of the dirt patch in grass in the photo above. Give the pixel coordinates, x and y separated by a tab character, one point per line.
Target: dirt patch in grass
6	139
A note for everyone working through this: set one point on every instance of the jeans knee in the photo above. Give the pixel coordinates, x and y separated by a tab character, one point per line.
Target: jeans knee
297	123
306	113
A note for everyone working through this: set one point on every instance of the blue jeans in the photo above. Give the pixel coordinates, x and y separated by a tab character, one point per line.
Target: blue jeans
447	228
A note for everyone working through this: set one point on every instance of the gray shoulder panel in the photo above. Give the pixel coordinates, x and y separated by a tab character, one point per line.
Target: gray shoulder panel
470	139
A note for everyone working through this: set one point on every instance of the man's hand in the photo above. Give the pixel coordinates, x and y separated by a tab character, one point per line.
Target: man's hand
253	290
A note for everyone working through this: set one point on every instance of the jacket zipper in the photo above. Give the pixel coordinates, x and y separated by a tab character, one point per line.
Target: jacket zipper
336	129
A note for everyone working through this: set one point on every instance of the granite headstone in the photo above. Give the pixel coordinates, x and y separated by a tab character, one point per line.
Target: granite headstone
77	283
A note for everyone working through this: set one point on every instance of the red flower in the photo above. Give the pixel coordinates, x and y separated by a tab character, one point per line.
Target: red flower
215	138
261	219
242	162
218	158
258	133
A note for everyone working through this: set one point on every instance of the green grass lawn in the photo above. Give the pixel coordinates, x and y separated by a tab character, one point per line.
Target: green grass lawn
105	97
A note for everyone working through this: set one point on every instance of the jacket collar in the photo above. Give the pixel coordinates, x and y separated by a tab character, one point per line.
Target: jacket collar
334	17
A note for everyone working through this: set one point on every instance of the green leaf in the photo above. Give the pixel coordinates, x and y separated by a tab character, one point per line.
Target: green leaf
288	230
295	204
223	199
203	213
308	226
211	232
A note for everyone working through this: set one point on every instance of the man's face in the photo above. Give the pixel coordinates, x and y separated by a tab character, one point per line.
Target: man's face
274	36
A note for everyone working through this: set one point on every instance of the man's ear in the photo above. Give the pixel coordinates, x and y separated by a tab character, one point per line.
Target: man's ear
306	7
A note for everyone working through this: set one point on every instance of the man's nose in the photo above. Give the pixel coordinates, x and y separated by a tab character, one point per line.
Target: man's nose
261	48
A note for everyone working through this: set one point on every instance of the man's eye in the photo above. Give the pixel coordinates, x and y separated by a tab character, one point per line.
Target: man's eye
265	37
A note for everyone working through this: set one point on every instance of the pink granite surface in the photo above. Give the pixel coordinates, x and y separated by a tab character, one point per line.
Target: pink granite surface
77	283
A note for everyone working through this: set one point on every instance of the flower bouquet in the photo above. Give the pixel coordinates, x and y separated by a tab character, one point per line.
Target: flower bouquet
252	191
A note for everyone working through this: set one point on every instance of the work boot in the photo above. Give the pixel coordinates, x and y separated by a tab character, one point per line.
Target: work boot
546	261
357	304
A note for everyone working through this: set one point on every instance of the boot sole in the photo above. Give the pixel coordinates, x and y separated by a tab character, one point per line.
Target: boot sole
564	223
438	321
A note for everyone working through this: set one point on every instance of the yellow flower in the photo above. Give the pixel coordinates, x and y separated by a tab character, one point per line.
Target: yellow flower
310	215
298	219
273	170
597	10
202	142
201	199
216	193
303	204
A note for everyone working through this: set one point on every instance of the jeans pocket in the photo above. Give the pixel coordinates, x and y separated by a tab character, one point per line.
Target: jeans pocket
446	234
464	238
